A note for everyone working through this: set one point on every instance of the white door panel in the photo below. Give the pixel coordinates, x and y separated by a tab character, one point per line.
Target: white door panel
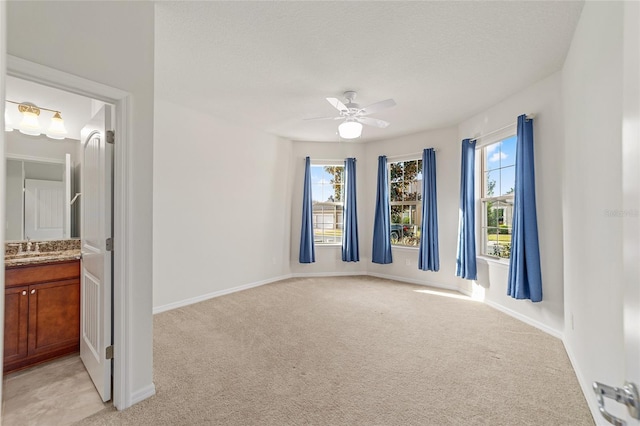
43	214
95	316
619	402
631	197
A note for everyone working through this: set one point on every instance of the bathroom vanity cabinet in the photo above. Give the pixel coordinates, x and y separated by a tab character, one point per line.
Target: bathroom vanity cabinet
42	313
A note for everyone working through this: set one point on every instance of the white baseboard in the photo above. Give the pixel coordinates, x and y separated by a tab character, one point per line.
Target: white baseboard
540	326
142	394
587	390
192	300
413	281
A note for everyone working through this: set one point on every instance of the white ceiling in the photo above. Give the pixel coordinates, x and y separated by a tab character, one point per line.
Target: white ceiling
268	65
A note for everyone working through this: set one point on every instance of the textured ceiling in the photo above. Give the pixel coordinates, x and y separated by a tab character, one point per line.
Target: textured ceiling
268	65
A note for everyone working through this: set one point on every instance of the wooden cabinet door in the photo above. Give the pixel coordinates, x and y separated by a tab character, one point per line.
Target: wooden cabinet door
16	307
54	320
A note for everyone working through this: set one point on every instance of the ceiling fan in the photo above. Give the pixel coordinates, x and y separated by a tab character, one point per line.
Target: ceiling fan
354	116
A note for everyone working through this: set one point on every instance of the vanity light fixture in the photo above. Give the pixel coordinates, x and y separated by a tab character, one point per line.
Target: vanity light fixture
30	124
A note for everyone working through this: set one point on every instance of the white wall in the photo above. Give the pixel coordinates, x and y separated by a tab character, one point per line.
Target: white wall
592	94
111	43
328	258
405	260
221	206
544	100
41	146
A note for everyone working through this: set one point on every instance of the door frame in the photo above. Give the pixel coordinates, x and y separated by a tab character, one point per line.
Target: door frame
122	214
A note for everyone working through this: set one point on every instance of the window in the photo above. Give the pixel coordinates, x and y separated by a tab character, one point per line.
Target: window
328	195
498	181
405	192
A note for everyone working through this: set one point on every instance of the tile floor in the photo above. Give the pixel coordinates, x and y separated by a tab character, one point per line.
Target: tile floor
56	393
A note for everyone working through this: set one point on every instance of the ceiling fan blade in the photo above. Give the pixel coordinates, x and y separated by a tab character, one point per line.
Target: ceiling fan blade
373	122
324	118
378	106
337	104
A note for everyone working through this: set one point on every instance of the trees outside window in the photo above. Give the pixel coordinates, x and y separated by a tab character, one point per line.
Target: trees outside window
405	192
327	192
498	180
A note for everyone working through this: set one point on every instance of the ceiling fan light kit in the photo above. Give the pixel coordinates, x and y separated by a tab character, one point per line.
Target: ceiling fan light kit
350	129
354	116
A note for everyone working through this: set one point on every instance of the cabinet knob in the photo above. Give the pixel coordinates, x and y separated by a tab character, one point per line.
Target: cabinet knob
33	291
24	292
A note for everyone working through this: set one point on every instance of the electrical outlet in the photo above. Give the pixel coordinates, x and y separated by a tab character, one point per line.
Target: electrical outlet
407	262
273	260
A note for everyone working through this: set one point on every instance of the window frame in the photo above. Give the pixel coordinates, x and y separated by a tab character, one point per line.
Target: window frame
417	202
338	206
482	218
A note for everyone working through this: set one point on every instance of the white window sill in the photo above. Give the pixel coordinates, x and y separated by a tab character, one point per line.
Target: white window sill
328	245
412	248
493	261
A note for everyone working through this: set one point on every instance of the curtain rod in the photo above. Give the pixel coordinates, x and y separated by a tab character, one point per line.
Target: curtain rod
529	117
413	154
324	160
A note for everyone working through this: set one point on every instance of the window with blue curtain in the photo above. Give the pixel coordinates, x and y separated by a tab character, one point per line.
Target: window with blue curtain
350	251
307	249
428	256
381	251
525	276
466	252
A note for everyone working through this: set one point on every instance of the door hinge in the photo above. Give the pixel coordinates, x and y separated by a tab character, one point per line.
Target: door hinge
627	395
109	352
109	244
111	136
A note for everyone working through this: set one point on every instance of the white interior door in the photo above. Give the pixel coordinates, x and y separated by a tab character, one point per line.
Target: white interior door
43	209
631	199
620	402
95	311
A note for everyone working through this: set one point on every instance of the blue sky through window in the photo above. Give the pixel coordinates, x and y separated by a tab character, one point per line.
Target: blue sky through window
500	166
321	187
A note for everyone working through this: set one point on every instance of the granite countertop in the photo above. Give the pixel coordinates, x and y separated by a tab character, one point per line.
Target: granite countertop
48	252
41	258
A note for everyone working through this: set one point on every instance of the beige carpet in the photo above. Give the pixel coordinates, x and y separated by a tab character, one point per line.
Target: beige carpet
353	351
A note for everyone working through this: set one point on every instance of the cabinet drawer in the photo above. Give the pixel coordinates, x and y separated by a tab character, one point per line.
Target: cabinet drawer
24	275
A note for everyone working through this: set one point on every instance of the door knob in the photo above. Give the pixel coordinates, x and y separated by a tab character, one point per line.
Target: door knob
33	291
24	292
627	395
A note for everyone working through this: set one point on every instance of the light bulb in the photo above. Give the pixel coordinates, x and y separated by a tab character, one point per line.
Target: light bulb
350	130
57	129
29	125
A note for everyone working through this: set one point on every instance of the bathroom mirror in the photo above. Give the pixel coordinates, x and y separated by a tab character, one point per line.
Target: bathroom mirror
39	195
